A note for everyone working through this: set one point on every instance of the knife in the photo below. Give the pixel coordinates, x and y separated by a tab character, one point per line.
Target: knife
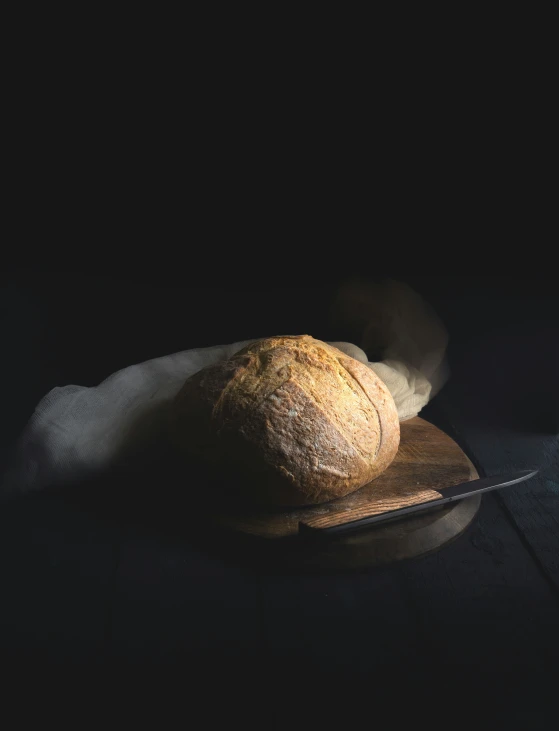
448	495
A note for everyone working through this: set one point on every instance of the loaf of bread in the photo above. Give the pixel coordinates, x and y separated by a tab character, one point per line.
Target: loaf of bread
291	419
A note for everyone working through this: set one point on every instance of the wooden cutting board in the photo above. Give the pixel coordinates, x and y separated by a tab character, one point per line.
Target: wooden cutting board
428	460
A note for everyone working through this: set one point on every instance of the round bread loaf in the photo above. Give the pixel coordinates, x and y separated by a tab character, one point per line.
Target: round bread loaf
291	419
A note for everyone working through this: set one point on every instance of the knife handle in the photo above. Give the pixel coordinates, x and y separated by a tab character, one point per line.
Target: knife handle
364	516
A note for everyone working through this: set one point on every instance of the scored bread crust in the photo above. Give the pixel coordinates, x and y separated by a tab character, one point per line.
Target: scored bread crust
296	419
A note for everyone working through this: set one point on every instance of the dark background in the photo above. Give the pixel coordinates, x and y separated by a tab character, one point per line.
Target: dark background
441	159
475	624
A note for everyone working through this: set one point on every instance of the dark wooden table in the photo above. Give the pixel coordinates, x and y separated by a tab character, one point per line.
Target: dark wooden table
472	629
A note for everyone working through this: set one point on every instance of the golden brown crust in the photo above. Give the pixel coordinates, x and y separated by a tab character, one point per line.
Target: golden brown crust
303	421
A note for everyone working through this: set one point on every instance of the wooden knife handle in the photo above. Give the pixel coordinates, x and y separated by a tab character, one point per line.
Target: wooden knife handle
334	519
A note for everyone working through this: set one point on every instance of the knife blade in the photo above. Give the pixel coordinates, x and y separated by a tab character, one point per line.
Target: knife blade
448	495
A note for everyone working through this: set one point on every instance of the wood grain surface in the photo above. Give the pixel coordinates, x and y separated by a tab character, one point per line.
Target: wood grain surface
428	460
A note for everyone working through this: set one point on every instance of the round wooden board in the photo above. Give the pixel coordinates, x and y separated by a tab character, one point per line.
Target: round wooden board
428	460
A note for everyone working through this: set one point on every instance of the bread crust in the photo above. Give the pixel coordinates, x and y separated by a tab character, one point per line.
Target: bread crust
297	419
